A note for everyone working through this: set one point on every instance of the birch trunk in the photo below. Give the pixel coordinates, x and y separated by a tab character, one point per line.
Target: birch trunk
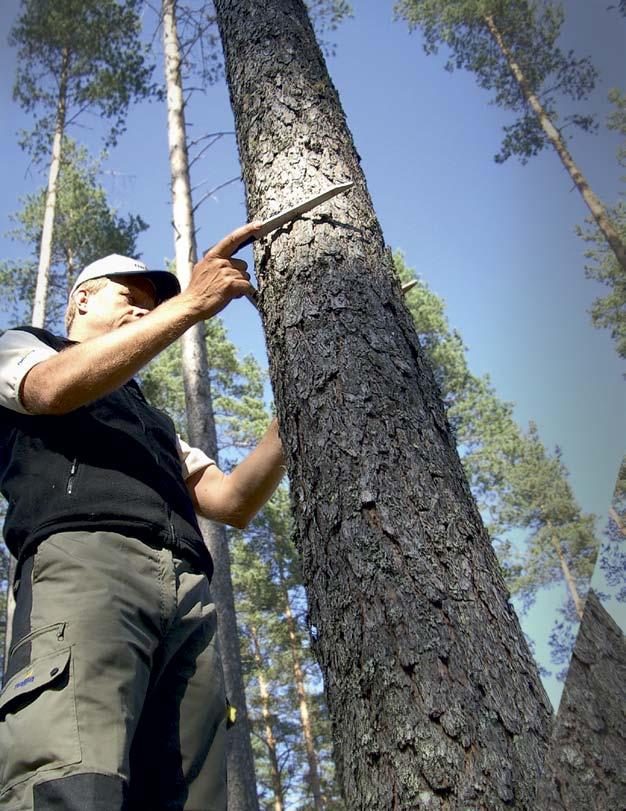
598	211
201	426
434	697
45	250
270	740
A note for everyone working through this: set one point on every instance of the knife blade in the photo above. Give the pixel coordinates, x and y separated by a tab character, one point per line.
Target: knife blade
275	222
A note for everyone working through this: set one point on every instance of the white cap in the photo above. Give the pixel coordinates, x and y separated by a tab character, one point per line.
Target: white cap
165	283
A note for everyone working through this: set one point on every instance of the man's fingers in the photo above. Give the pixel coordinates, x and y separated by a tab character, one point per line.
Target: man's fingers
239	264
229	244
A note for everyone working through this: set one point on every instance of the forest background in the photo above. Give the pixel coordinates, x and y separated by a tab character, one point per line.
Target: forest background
496	242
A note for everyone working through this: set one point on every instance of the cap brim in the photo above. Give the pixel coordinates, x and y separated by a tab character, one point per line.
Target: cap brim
165	283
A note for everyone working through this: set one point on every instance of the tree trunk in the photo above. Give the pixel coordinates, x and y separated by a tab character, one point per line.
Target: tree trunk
41	288
569	580
45	251
434	697
585	762
598	211
618	522
270	740
201	426
303	704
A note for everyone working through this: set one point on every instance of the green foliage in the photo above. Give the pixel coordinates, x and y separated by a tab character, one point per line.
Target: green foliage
236	390
537	497
85	229
530	31
609	312
519	486
96	44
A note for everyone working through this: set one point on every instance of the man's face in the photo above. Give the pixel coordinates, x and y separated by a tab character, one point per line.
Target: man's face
122	300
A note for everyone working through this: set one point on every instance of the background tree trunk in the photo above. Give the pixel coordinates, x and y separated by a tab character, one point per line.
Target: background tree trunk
585	761
434	696
270	740
201	426
45	251
598	211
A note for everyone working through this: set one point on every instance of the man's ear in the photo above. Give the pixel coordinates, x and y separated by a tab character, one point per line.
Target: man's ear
81	297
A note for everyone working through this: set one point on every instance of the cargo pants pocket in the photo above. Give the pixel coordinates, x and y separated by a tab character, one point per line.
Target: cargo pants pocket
38	725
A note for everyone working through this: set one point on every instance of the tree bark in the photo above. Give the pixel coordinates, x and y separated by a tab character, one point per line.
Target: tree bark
303	704
569	580
434	697
270	740
585	762
45	251
201	426
598	211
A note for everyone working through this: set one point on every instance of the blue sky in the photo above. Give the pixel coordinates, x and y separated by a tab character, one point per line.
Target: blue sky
496	242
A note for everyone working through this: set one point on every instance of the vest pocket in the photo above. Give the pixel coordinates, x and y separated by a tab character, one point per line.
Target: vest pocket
38	726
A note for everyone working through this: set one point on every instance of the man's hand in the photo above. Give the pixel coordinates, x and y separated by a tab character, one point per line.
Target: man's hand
217	279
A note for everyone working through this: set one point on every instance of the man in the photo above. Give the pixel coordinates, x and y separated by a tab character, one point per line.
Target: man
113	695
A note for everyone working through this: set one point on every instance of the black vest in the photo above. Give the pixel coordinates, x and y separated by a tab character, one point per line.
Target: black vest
110	465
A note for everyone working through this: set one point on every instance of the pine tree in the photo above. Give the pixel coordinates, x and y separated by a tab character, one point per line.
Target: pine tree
201	421
74	57
609	312
423	658
85	229
519	485
512	48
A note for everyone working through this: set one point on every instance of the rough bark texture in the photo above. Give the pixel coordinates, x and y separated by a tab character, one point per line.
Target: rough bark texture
586	762
434	697
596	208
201	424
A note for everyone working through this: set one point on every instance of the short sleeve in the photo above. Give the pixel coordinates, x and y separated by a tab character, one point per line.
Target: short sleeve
192	459
19	352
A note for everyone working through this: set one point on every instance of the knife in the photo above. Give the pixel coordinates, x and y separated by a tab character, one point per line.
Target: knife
267	226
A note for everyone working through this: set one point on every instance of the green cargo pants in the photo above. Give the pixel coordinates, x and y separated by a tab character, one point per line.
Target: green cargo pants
113	696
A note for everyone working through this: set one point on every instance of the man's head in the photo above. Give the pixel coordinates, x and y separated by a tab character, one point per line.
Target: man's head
113	291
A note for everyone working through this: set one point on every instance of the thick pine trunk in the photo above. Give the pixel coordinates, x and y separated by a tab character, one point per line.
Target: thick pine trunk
303	703
585	761
201	425
45	250
270	739
434	697
596	208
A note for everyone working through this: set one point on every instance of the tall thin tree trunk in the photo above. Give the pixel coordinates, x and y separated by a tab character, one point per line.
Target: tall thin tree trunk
45	251
270	740
433	694
569	580
618	522
303	703
201	426
43	274
598	211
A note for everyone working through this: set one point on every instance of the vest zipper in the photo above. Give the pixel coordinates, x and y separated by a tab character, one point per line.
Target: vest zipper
72	476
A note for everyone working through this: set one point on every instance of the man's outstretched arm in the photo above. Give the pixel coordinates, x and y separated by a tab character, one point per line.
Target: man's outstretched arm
235	498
